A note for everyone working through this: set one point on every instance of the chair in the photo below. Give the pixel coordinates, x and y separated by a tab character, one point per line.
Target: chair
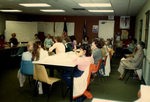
19	52
40	74
81	83
131	72
98	67
27	69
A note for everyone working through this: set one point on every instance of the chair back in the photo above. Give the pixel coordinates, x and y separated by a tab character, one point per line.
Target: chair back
20	51
40	73
105	60
99	64
26	67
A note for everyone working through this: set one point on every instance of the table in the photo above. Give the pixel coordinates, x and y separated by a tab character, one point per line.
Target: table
6	51
60	61
103	100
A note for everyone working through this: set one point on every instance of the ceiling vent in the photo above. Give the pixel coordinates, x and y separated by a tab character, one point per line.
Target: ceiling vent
78	8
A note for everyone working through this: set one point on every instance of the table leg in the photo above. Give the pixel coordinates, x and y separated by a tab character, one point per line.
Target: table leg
71	87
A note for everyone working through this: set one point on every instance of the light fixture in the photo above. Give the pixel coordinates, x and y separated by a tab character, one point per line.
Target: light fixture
10	10
95	4
35	4
101	10
47	10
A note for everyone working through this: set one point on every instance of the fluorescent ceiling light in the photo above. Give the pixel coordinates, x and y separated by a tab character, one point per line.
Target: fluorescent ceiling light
35	5
10	10
101	10
95	4
52	10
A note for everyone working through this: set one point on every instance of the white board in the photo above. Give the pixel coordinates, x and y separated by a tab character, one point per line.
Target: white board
59	28
46	27
70	28
25	31
106	29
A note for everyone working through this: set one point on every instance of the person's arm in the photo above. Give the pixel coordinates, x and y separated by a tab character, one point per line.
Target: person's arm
45	42
136	57
53	47
51	42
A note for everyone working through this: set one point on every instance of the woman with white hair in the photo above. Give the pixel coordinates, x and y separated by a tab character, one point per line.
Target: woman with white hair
134	62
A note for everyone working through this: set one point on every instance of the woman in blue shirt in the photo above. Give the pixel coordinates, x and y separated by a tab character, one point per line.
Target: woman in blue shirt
48	42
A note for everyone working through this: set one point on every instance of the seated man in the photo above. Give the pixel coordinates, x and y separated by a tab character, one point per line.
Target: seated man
132	63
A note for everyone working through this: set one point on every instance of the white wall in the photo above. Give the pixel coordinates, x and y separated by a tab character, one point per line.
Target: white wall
141	16
3	18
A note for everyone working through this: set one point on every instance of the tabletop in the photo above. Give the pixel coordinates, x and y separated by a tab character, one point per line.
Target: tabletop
63	59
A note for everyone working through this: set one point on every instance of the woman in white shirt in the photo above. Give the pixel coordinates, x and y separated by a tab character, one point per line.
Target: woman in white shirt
58	45
35	52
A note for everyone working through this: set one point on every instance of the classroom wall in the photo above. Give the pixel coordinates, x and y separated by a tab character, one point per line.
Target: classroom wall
146	62
3	18
79	22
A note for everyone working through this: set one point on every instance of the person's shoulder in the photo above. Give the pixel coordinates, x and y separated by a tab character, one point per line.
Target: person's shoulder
27	52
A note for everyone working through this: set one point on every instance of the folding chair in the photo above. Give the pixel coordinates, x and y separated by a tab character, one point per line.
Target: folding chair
40	74
27	69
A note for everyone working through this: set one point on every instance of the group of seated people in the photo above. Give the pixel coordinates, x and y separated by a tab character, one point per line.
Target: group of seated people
89	53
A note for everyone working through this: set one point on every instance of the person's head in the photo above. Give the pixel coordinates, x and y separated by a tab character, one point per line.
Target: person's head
96	43
40	44
48	36
109	41
134	41
36	36
72	38
2	37
13	35
30	46
85	38
85	49
67	39
141	45
102	41
58	39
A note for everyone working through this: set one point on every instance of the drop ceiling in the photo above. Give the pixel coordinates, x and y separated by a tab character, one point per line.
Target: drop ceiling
72	8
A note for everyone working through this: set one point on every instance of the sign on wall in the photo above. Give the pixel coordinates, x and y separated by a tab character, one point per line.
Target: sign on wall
124	22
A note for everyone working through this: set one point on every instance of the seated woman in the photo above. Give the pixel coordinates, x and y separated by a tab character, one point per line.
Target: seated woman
58	45
109	43
134	62
48	42
85	40
35	52
83	60
103	47
36	38
130	48
13	40
2	41
96	51
68	44
73	41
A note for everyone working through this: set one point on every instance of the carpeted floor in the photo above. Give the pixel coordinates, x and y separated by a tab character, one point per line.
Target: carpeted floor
103	87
